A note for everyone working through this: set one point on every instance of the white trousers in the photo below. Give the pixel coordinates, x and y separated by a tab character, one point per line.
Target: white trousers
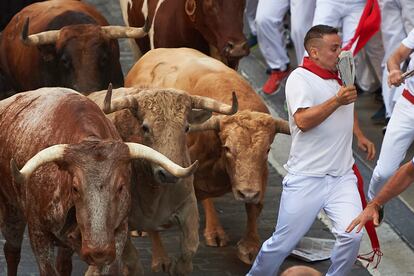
266	21
396	22
340	14
397	139
302	199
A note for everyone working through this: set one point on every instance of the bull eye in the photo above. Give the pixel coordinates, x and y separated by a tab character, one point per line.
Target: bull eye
65	60
120	189
103	61
268	150
75	190
145	128
187	128
227	150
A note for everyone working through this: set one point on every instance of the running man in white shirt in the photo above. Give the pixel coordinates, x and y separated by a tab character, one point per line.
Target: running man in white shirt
400	129
320	175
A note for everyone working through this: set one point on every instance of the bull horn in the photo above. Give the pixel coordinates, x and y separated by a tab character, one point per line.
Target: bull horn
211	124
124	102
215	106
115	32
47	37
282	126
46	155
141	151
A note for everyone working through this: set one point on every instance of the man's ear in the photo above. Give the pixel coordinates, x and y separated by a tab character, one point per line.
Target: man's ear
313	52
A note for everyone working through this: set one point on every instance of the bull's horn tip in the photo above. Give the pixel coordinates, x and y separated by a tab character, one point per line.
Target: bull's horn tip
107	100
235	103
194	166
25	31
17	175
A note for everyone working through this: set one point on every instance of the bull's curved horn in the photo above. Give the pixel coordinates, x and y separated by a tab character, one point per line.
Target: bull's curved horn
282	126
47	37
215	106
124	102
115	32
211	124
141	151
46	155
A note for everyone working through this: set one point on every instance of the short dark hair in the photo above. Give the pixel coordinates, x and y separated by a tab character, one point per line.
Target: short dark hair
318	31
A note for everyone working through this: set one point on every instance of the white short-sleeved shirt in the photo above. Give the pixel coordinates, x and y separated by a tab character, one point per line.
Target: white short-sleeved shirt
409	43
327	148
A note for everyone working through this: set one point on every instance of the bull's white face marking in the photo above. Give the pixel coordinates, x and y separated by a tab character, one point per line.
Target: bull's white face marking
151	31
98	211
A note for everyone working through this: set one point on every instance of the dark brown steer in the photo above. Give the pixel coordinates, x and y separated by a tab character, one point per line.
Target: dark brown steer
73	190
62	43
214	27
160	119
233	156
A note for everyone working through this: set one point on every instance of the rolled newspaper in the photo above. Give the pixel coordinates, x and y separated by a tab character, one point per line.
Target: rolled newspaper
346	68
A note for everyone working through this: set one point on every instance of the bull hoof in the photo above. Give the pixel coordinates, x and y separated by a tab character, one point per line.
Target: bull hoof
216	238
136	234
181	267
247	251
161	264
92	271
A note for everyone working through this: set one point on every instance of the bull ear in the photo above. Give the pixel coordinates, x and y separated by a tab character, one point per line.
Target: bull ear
198	116
190	8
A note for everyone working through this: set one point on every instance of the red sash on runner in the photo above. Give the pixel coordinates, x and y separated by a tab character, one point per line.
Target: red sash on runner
369	226
368	25
308	64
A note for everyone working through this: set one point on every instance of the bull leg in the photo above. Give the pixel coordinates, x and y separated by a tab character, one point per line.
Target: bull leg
213	233
249	245
64	261
188	220
130	258
160	259
12	228
43	250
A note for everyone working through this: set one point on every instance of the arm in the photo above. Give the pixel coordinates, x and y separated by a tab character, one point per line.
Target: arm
363	142
308	118
396	185
394	65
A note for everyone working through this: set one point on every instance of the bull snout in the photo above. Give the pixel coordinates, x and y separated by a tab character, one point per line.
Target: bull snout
247	195
98	255
164	177
237	50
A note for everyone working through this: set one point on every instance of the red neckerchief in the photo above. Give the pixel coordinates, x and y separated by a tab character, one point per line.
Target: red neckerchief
309	65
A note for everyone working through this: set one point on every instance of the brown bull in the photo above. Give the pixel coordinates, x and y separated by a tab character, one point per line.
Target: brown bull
62	43
214	27
233	157
160	119
73	190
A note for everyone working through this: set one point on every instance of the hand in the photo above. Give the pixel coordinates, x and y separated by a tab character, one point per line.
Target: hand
395	78
346	95
367	146
370	213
